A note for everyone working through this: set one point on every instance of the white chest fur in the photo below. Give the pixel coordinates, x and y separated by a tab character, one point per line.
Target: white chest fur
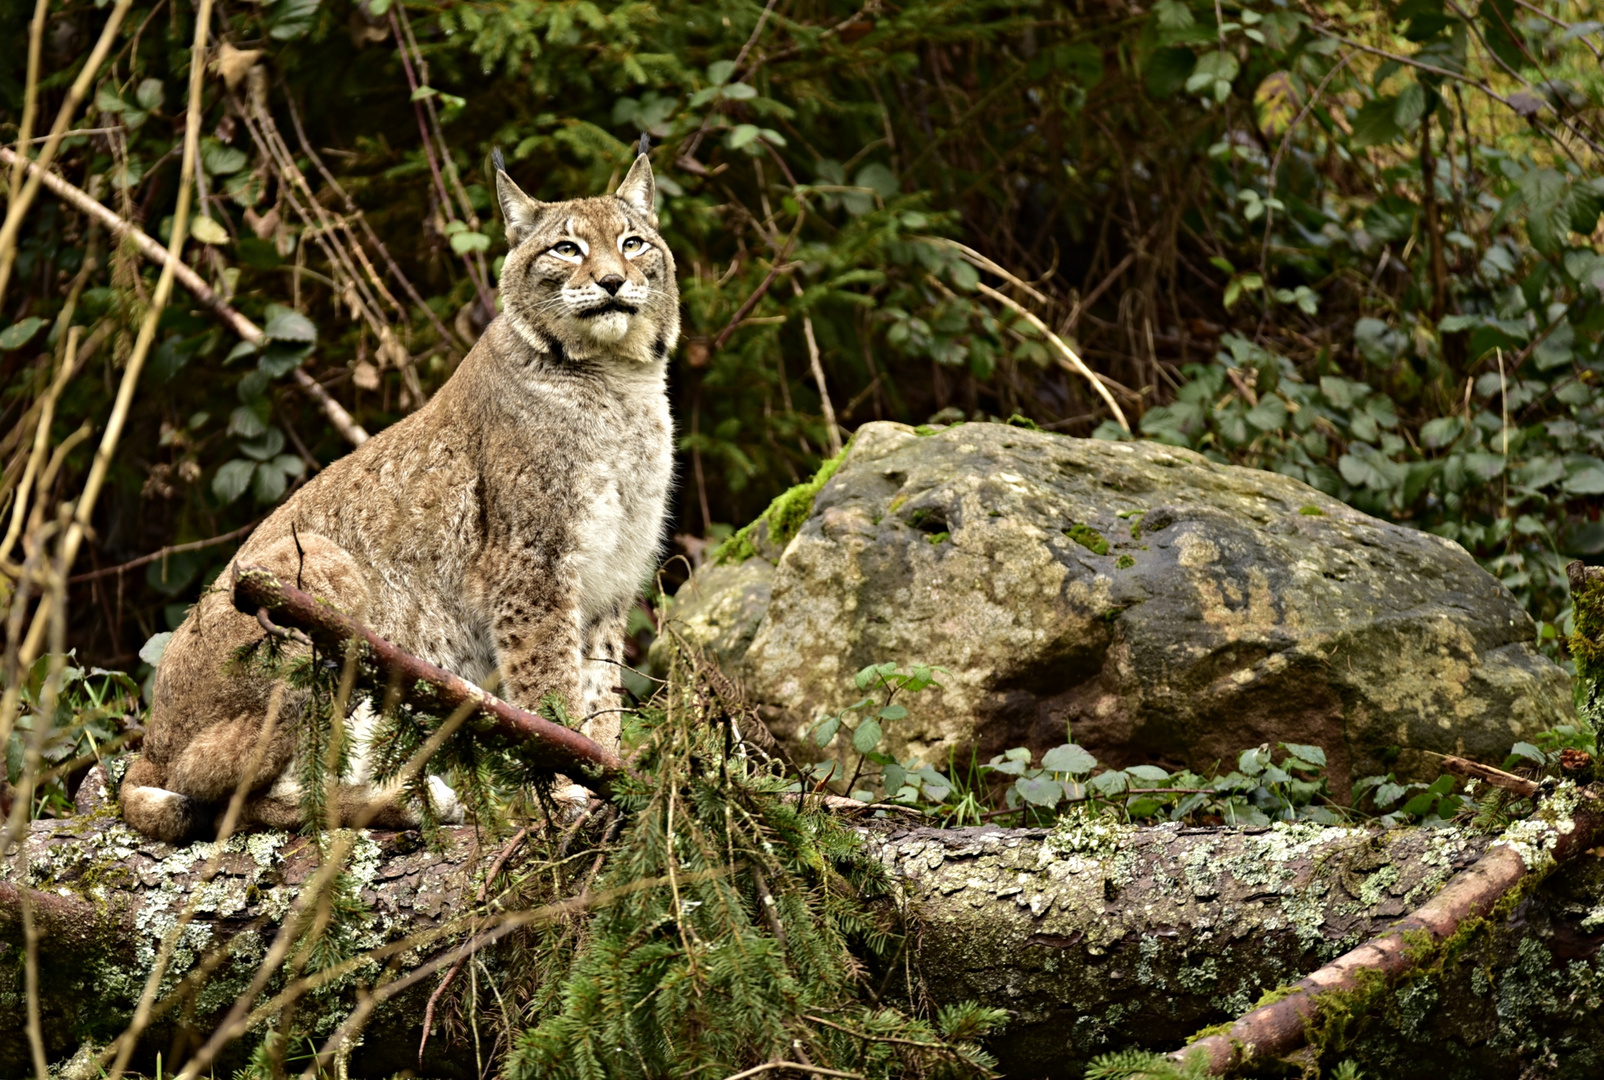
624	499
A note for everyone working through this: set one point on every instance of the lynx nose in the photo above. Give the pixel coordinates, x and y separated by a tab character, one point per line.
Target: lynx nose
612	283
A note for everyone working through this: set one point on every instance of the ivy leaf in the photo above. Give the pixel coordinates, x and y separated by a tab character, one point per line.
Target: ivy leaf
232	478
1068	758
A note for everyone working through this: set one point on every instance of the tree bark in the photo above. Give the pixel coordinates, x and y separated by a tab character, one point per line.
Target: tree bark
1096	939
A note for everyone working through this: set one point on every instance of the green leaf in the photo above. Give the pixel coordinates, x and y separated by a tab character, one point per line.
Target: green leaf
20	333
741	135
291	18
719	71
208	231
1528	751
738	91
464	242
150	95
892	712
1542	195
878	178
284	324
1172	15
1269	414
1039	791
1587	481
1438	433
1109	784
151	652
1068	758
232	478
1410	107
246	422
825	732
1151	773
867	737
1303	751
268	484
268	445
1376	123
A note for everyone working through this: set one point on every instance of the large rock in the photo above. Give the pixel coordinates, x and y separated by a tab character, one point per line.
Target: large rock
1164	607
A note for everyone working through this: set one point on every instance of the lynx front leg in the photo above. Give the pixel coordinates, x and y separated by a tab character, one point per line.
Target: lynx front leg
538	652
601	678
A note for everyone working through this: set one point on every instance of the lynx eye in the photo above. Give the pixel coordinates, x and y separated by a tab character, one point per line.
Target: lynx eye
632	245
566	249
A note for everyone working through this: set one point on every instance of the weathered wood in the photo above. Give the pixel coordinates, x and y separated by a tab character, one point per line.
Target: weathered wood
1096	938
1563	831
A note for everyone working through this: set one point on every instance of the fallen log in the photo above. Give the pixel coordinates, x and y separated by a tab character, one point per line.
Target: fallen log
1095	938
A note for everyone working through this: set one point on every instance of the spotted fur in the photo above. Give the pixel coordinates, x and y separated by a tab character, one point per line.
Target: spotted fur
503	529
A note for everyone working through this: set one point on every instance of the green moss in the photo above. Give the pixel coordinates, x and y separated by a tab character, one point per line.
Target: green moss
1026	422
1088	538
784	516
1124	562
936	538
925	429
1311	511
1587	647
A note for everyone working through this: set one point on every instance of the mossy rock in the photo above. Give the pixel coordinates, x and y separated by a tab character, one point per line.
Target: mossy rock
1167	608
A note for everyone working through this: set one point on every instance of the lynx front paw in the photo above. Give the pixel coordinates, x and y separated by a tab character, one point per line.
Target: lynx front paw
447	807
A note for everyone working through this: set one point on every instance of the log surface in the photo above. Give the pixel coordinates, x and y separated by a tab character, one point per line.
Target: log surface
1095	938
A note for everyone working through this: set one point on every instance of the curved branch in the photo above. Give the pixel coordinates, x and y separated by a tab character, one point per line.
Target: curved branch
258	591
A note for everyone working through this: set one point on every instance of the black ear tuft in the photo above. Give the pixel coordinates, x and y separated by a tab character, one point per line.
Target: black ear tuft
497	160
645	144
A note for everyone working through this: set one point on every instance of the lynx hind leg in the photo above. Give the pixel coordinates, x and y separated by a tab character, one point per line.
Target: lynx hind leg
313	563
154	809
386	806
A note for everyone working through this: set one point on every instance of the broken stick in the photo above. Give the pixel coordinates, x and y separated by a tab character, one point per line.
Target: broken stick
259	592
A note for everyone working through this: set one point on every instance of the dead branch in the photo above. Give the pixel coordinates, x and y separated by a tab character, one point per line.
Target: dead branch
422	684
82	201
1280	1028
1498	778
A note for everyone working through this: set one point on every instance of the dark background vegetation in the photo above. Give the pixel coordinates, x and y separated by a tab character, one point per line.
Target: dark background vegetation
1356	245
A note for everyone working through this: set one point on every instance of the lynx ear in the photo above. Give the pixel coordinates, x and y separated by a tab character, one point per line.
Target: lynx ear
639	190
518	210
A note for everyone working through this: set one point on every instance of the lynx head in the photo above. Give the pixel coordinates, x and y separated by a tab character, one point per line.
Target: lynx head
590	275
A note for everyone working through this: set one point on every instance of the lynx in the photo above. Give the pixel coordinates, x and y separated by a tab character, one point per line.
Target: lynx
503	530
